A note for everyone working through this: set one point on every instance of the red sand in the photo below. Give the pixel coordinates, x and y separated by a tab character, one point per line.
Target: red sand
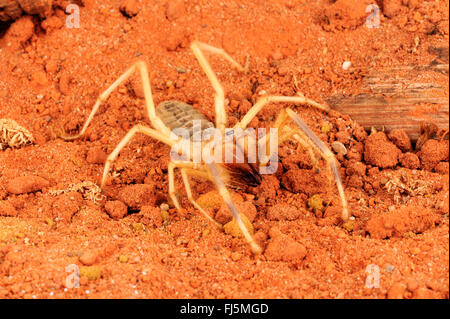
51	75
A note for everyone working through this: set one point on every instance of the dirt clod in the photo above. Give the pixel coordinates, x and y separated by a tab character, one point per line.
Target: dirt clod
400	139
130	8
284	248
137	196
19	32
345	14
66	205
409	160
7	209
379	151
26	184
152	216
392	7
175	9
433	152
304	181
442	168
283	212
401	221
116	209
89	257
96	155
396	291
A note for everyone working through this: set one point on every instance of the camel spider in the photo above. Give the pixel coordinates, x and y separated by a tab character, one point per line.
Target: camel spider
163	119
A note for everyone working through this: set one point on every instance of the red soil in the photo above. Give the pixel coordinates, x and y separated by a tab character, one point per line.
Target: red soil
126	246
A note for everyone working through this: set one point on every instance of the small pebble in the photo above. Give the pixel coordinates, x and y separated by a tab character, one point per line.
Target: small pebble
96	156
123	259
339	148
346	65
90	272
315	203
89	257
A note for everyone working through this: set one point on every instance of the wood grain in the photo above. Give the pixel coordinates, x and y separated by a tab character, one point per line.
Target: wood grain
401	97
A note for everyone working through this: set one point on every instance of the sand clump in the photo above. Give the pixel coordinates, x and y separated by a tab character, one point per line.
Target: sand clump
433	152
379	151
283	248
26	184
138	195
116	209
400	222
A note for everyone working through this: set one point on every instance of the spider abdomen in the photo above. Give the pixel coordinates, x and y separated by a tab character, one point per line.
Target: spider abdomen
176	114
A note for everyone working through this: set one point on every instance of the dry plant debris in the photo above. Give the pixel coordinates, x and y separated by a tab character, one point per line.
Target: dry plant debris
89	191
13	135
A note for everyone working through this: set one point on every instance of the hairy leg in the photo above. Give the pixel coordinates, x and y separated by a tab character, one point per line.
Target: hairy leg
257	107
326	154
227	199
184	174
142	68
185	169
219	100
126	139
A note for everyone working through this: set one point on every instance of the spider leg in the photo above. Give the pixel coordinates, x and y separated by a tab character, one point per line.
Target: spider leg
171	176
185	169
273	98
126	139
286	133
296	134
304	134
184	174
140	66
326	154
227	199
219	100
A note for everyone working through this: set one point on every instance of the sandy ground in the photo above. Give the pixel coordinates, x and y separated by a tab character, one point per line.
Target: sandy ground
123	245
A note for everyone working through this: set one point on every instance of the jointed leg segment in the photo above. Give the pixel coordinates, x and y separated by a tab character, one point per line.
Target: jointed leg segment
272	98
126	139
185	168
219	100
304	136
327	155
150	105
227	199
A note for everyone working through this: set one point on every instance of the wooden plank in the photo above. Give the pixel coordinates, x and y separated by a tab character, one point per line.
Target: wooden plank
401	97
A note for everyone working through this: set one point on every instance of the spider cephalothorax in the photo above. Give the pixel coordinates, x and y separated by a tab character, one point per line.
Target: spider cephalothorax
174	123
